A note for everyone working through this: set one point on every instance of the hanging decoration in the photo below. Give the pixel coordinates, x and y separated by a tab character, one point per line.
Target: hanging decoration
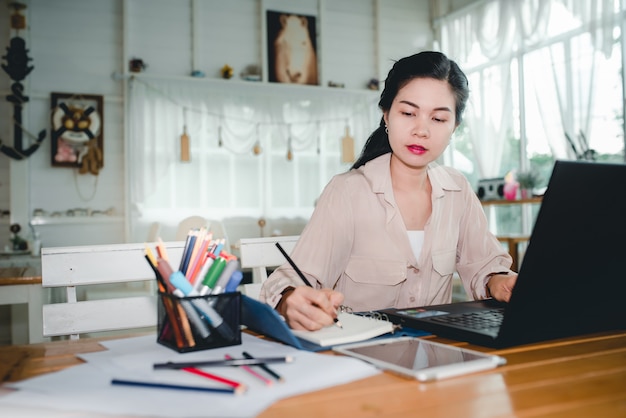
347	147
319	139
256	149
17	68
184	141
289	150
77	131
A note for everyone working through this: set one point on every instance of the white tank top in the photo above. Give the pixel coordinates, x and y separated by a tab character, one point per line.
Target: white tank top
416	239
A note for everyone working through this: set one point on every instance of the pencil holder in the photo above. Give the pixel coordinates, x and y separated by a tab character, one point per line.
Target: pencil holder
199	322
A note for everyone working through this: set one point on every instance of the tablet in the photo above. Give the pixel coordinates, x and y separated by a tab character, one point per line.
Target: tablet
420	359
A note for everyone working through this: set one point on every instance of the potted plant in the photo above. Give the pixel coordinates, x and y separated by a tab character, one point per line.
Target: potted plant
19	244
527	180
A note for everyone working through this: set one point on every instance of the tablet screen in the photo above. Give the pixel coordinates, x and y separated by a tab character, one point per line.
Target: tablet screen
413	353
416	354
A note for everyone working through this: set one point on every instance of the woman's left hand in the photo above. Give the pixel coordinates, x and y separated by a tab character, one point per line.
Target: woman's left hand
500	286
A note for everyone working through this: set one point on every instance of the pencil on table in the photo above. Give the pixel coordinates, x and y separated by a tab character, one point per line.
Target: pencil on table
239	387
248	369
265	367
156	385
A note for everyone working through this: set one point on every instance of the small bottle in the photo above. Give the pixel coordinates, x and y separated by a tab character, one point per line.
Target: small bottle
36	247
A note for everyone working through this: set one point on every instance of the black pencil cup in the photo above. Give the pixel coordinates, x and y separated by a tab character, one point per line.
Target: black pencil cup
199	322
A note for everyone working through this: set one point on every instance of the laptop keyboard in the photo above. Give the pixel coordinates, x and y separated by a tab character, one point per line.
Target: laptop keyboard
483	320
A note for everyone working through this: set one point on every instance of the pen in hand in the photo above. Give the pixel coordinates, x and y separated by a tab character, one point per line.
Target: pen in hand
301	275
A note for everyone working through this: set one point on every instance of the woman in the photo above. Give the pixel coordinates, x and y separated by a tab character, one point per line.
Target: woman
392	231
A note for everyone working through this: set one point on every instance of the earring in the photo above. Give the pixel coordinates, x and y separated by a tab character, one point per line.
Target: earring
386	130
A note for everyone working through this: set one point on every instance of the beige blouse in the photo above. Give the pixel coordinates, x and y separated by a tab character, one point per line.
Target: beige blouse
356	243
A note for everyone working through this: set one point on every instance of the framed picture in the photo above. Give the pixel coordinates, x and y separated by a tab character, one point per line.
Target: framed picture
291	48
77	131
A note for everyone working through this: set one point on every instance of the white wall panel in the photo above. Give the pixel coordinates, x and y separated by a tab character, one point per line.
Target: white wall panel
404	30
349	43
159	33
76	45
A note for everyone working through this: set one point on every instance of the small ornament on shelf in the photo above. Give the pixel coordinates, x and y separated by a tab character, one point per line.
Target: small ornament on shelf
18	243
527	180
251	73
137	65
227	71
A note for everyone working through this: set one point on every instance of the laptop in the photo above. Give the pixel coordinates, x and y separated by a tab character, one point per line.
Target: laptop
572	280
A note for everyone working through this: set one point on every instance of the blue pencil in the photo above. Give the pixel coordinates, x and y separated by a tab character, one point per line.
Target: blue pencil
188	249
170	386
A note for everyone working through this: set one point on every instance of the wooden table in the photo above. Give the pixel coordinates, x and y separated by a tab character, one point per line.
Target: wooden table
17	290
574	377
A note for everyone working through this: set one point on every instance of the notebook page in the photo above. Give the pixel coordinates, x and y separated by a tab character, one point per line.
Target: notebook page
355	328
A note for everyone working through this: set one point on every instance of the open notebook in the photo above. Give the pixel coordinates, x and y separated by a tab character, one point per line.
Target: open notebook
355	328
262	318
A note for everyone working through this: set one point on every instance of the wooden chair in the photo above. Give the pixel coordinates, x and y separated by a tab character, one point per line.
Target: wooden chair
259	254
191	222
513	243
69	267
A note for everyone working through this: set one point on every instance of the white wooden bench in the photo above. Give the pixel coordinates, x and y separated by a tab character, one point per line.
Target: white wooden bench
69	267
259	254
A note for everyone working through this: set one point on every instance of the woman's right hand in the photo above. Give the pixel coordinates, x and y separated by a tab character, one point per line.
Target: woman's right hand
306	308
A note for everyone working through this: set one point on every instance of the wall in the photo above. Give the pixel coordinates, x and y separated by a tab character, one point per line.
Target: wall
77	45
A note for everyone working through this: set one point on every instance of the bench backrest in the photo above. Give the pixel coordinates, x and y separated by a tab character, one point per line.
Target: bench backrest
259	254
68	267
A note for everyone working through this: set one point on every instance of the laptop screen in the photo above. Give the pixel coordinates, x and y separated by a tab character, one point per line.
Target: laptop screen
572	279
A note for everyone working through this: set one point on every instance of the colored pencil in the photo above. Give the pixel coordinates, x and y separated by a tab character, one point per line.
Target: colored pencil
236	385
249	369
156	385
264	367
224	363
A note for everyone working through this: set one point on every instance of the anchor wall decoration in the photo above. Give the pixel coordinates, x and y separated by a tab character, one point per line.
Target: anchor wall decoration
17	68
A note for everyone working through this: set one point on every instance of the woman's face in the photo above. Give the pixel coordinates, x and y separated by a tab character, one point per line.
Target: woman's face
420	121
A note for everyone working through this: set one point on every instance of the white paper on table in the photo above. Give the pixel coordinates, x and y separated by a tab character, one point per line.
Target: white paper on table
87	387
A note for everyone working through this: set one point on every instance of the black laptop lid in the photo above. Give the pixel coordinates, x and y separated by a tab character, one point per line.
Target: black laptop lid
573	277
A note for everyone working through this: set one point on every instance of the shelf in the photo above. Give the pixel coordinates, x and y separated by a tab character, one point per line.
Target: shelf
261	88
73	220
537	199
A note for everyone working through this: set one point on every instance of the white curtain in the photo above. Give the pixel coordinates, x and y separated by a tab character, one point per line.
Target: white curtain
226	123
489	116
491	35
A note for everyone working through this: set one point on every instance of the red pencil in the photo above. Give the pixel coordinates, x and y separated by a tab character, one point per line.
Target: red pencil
239	387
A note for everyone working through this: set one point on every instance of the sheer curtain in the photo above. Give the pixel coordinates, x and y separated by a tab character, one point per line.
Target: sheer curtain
487	38
256	149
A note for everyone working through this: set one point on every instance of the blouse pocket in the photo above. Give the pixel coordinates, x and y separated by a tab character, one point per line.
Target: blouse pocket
444	262
373	283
